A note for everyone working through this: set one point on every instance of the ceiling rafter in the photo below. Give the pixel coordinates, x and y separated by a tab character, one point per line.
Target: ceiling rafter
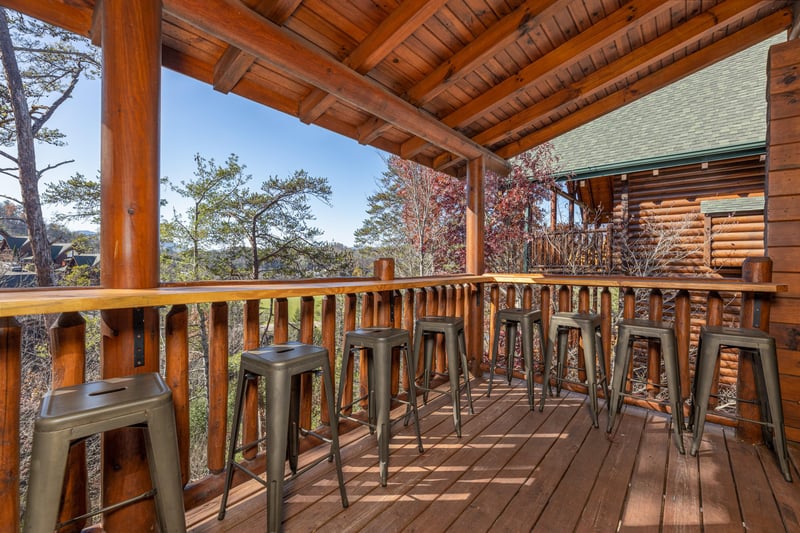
234	63
260	37
396	28
583	44
699	26
687	65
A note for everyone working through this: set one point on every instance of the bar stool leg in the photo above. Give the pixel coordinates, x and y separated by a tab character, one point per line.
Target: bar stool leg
412	395
381	393
278	390
293	428
621	358
327	381
453	371
769	367
495	349
527	356
702	382
548	356
237	417
49	456
165	472
511	349
462	344
563	340
589	362
668	348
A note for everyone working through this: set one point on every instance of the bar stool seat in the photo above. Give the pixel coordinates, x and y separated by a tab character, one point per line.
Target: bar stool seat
768	385
589	325
378	343
281	366
426	328
512	318
70	414
629	330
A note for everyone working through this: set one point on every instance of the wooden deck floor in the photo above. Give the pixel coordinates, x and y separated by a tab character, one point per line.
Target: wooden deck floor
516	470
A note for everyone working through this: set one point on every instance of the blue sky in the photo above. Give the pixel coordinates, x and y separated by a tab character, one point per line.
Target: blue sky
197	119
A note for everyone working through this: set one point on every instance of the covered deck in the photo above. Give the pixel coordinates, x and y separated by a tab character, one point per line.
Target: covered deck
517	470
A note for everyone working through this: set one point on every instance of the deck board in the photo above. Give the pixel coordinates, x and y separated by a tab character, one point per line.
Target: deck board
517	470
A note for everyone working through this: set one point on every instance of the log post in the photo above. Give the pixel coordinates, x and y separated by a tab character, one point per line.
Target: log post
306	337
683	331
251	339
605	314
348	324
68	348
10	393
329	342
754	314
217	385
629	312
714	318
475	260
408	325
176	338
656	302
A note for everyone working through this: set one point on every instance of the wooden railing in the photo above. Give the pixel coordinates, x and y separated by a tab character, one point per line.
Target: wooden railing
365	301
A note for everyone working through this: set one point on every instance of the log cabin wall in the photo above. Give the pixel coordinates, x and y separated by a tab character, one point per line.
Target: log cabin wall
783	215
713	210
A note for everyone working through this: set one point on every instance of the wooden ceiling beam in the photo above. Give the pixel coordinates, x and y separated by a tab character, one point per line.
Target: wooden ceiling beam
725	47
583	44
75	16
233	64
504	32
389	34
232	22
701	25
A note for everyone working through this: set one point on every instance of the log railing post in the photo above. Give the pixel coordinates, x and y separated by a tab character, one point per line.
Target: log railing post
408	325
176	338
583	307
544	295
494	306
68	349
605	314
656	302
420	310
329	342
306	382
683	330
714	318
754	314
629	312
217	385
251	340
348	324
10	393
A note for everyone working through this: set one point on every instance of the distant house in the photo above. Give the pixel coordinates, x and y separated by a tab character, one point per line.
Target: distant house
15	252
688	158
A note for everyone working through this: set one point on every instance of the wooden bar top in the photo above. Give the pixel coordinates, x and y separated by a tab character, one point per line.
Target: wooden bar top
60	300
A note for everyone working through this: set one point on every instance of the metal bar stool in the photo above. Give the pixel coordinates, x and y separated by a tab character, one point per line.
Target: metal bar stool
628	331
589	325
71	414
512	318
768	385
378	343
455	345
281	366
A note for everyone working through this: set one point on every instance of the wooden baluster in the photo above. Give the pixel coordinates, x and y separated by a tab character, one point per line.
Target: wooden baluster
383	270
511	296
367	317
217	385
628	313
754	314
714	318
408	325
474	323
280	333
564	299
329	342
583	307
10	393
251	341
176	340
68	348
527	297
605	313
349	324
656	302
306	382
421	310
683	330
460	301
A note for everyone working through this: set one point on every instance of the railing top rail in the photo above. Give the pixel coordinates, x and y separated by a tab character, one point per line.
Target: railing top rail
676	283
61	300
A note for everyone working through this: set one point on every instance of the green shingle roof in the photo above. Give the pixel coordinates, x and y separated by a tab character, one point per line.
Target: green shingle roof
721	106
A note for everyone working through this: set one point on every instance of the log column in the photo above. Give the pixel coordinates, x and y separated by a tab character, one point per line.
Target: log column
476	170
129	248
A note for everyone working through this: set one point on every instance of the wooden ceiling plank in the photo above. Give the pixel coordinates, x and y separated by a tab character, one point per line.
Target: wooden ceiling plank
725	47
507	30
234	63
695	28
389	34
73	16
232	22
583	44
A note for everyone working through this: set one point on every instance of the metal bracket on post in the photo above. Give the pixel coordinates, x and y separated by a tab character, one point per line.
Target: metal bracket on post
138	337
757	312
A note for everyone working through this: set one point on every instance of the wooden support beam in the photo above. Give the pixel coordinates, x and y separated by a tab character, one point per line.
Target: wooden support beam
389	34
256	35
685	66
475	216
583	44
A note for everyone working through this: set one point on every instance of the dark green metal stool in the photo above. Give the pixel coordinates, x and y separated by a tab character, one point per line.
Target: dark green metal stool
628	331
281	366
512	318
71	414
378	343
452	328
589	325
768	385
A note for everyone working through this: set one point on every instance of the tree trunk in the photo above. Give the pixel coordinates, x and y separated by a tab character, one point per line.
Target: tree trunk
26	160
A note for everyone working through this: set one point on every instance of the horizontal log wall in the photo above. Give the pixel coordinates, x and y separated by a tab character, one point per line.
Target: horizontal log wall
783	216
